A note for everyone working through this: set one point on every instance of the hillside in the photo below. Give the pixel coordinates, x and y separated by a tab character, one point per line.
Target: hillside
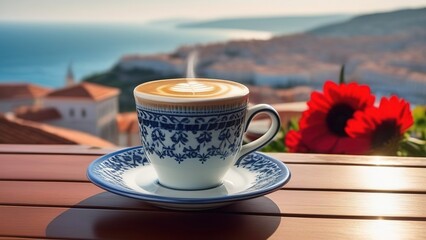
389	64
387	23
277	25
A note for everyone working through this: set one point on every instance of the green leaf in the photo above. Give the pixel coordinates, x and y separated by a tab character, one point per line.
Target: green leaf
277	145
418	130
293	124
413	147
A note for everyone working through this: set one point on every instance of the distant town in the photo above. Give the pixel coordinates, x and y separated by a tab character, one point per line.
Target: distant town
388	64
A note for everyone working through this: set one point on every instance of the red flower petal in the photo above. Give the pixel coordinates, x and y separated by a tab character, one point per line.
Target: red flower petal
352	146
293	142
318	102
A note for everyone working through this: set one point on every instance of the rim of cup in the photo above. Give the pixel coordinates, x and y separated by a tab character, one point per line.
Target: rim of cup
241	93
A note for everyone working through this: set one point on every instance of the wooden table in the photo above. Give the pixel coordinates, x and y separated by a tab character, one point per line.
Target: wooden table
44	193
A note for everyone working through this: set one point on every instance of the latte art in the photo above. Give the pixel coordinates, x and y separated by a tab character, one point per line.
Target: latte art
190	90
193	87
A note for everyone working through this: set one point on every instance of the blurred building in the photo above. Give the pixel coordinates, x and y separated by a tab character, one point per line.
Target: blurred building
69	78
18	131
37	114
14	95
86	107
128	129
266	94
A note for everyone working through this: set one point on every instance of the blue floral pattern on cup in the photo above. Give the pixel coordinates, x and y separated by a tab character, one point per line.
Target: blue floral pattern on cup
204	136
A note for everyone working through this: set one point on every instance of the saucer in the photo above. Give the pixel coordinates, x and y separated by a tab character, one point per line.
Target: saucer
128	172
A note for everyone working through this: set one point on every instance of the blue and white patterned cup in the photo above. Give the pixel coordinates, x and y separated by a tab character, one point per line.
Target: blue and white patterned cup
192	129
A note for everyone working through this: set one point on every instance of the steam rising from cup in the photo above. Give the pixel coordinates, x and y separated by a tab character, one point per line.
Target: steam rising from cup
192	63
190	70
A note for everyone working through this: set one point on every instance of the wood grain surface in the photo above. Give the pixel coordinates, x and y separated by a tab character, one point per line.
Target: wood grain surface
45	194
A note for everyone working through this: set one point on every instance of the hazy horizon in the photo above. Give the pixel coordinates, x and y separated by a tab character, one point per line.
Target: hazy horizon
144	11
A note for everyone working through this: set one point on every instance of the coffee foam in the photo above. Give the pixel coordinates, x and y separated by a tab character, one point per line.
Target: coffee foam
190	90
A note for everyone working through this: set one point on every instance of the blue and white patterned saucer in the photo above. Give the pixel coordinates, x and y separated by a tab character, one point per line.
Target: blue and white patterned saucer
127	172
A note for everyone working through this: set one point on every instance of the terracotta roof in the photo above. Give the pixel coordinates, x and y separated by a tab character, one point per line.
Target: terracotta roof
127	122
17	131
21	90
37	114
85	90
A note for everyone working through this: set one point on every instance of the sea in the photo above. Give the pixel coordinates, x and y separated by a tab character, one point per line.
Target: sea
41	53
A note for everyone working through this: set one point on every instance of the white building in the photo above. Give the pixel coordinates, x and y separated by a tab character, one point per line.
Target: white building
87	107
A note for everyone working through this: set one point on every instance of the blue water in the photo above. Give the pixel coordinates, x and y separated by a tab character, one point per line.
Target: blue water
40	52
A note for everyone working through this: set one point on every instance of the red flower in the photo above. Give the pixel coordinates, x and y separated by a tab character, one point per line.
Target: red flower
384	126
322	126
294	143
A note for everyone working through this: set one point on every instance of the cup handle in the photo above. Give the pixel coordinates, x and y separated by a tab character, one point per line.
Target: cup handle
265	138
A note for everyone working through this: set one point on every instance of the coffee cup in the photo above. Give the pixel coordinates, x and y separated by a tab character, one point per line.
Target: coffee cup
192	129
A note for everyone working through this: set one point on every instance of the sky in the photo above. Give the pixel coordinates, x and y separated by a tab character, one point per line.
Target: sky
149	10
